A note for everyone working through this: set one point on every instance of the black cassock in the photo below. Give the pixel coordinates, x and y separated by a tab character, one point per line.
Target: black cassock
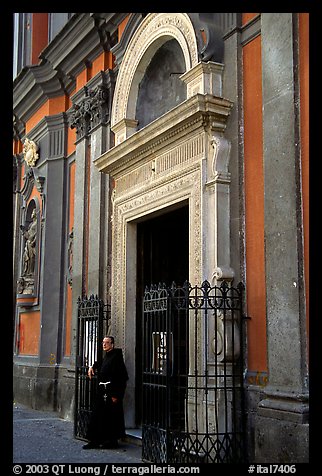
107	420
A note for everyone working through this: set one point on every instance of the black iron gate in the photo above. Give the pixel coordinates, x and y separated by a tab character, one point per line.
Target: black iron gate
193	374
92	324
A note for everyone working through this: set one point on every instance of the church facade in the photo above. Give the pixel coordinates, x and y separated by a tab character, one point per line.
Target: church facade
164	147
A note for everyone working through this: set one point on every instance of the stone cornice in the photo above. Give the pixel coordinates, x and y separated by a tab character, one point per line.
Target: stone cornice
79	41
198	111
37	83
72	34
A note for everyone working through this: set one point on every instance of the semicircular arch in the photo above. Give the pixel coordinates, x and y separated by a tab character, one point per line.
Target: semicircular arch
153	32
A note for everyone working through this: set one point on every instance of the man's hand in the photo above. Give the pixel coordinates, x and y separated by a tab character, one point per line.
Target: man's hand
114	399
90	372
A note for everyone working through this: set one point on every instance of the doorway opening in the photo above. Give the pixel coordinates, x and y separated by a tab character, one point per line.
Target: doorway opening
162	257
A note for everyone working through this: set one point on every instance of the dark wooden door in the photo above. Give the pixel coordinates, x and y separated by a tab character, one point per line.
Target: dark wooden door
162	257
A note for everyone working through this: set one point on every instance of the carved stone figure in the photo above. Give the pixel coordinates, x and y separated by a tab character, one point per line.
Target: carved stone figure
20	285
29	254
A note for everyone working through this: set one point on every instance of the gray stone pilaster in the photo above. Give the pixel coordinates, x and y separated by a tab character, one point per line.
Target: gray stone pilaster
90	117
98	218
281	424
232	90
51	263
78	240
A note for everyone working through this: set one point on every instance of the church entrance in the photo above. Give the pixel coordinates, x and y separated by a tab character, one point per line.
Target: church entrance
162	257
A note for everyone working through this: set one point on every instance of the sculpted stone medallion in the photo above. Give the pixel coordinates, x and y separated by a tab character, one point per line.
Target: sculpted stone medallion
30	154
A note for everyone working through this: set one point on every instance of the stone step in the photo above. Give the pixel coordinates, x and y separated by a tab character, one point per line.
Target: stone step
134	435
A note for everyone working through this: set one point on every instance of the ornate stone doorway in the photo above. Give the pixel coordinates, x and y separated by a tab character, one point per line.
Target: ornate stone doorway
181	157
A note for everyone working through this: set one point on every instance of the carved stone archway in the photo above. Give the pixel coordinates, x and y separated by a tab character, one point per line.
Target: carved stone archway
153	32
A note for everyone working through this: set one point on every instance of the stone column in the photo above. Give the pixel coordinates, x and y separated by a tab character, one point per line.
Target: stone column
282	418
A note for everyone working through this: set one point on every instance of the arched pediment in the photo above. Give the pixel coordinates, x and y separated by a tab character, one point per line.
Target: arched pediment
155	30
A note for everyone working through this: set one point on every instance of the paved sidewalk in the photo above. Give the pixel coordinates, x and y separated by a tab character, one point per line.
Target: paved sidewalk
43	437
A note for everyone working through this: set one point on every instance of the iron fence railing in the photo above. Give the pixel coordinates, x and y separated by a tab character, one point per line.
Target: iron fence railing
93	320
193	374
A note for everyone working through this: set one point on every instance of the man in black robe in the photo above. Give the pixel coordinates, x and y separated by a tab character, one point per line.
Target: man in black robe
107	422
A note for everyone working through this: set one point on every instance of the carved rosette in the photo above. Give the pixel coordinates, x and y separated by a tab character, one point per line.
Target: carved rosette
90	112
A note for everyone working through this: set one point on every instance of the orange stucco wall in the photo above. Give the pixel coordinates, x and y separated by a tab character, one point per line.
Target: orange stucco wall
83	77
50	107
121	27
39	35
71	139
103	62
246	17
254	204
29	333
17	147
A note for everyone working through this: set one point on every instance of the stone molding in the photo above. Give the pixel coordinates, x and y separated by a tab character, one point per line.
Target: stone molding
126	210
198	110
204	78
61	61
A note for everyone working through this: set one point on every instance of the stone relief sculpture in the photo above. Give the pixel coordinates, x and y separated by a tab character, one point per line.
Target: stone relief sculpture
29	254
90	111
30	152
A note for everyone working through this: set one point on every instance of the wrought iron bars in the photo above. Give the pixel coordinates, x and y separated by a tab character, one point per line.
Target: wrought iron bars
93	320
193	374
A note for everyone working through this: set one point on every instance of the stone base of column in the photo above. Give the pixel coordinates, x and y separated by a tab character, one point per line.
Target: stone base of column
282	430
45	388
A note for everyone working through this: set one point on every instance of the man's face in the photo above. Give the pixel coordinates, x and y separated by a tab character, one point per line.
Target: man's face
107	344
